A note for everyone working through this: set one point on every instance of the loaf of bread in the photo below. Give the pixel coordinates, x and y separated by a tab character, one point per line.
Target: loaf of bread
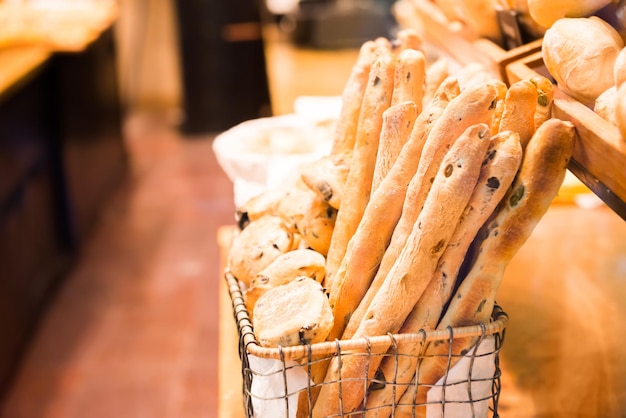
376	100
327	177
580	54
451	189
294	313
256	246
308	215
258	206
284	269
547	12
541	173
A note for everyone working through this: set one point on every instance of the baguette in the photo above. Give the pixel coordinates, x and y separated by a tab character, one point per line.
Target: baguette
385	208
472	106
501	89
537	183
409	78
386	204
398	122
451	190
376	100
518	114
352	97
435	74
497	173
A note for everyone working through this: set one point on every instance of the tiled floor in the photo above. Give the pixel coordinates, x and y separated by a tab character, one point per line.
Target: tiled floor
133	331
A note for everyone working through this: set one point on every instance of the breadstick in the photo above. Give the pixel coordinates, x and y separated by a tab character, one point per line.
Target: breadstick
409	78
398	122
407	38
545	97
352	97
358	185
452	186
496	175
435	74
472	106
518	114
501	88
537	183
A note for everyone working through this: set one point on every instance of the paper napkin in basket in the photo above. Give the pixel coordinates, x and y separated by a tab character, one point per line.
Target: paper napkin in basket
268	387
481	364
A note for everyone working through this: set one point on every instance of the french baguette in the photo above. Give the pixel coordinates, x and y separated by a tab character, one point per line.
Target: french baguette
472	106
537	183
452	186
496	175
358	185
545	97
409	78
352	97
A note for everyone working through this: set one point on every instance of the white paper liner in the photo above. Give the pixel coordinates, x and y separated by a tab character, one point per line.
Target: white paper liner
457	396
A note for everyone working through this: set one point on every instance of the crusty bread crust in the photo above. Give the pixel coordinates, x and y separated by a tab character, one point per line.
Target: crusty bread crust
518	114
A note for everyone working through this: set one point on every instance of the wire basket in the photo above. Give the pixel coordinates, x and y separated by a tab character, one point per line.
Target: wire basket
276	370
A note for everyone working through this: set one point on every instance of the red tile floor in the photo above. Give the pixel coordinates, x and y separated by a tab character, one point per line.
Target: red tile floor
133	330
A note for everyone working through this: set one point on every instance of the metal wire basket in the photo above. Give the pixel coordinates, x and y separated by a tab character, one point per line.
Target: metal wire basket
269	373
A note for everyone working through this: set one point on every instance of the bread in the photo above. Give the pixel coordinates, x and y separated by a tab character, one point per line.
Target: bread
285	268
496	175
547	12
619	68
478	15
436	73
451	190
606	105
258	206
398	122
255	247
472	106
537	183
312	218
368	245
327	177
292	314
620	111
352	97
580	54
518	114
545	98
376	100
409	77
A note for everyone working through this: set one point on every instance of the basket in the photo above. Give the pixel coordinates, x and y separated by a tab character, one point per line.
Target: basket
275	370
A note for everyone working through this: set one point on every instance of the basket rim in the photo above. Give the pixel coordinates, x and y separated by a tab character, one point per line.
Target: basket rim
377	344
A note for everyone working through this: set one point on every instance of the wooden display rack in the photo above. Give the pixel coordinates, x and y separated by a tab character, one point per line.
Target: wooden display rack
599	155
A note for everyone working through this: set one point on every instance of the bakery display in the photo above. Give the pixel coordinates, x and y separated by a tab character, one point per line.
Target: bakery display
439	172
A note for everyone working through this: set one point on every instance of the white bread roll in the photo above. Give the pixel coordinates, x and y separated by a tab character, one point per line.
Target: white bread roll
546	12
580	53
292	314
619	69
620	110
606	104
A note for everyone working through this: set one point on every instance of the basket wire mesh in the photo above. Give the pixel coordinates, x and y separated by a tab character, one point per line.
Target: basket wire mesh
304	357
